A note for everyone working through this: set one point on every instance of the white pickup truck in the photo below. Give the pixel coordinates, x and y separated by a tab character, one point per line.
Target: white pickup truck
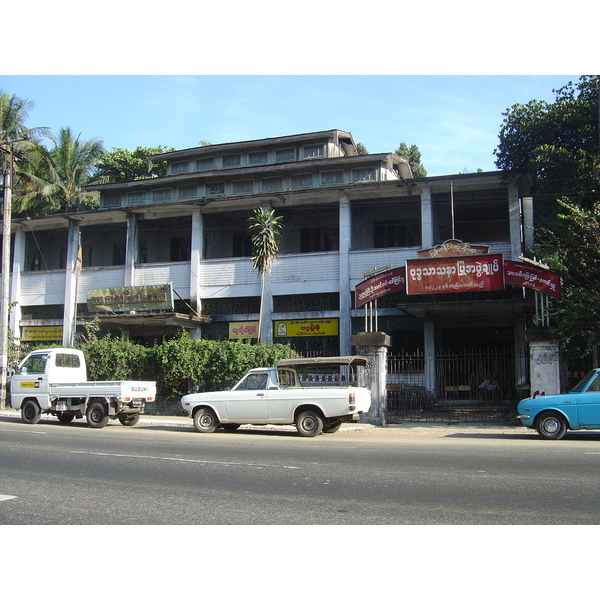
313	393
54	381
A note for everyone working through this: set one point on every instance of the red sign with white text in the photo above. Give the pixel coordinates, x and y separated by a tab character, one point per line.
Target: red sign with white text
380	285
456	274
530	276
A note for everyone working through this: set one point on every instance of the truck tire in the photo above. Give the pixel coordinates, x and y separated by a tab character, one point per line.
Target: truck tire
205	420
129	420
96	415
31	412
309	423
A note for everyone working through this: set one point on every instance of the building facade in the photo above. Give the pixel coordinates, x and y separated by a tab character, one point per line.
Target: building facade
345	216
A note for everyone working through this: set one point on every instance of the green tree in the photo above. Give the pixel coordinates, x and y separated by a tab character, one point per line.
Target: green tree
56	175
127	165
413	155
555	147
265	231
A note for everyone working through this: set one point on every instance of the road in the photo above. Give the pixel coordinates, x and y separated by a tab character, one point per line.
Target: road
169	474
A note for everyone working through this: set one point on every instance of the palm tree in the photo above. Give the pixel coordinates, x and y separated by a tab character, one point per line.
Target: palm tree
57	175
265	229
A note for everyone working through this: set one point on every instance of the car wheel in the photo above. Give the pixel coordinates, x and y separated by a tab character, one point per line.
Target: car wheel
65	418
205	420
129	420
309	424
30	412
96	415
332	427
230	426
551	426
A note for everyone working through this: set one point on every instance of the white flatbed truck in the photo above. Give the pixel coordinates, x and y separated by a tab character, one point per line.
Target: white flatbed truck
54	381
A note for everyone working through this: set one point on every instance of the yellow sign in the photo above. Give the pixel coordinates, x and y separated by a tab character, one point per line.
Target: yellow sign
40	334
306	328
243	329
29	384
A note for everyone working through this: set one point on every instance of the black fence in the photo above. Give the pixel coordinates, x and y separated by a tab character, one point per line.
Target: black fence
470	385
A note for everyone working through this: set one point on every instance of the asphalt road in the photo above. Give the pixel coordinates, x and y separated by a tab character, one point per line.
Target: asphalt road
167	473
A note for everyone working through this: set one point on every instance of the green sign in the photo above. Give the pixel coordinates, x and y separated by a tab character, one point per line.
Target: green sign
140	298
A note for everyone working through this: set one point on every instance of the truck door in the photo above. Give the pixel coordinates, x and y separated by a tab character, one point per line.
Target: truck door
248	402
30	381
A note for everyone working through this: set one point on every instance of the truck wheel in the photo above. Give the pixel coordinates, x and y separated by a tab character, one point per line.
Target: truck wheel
309	424
129	420
96	415
30	412
332	427
205	420
551	426
65	418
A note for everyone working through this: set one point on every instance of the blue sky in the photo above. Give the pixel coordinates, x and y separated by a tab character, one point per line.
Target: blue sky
453	119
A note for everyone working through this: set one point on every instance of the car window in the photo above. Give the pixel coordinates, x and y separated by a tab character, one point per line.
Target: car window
35	364
595	385
584	382
256	381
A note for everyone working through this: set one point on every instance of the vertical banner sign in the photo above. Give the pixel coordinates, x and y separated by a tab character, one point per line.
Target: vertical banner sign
387	282
455	274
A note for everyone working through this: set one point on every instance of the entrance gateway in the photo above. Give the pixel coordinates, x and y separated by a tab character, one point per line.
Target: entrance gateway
452	380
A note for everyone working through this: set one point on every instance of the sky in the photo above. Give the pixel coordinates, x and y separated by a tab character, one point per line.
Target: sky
453	119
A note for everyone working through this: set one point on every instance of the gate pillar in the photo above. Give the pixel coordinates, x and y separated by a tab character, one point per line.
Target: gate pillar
374	346
544	367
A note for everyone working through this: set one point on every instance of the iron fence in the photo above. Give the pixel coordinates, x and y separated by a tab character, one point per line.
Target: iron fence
468	385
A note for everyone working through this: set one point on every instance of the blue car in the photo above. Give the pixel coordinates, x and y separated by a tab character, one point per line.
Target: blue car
553	415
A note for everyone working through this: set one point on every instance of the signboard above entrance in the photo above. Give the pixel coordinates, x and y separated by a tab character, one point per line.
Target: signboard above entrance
380	285
531	276
139	298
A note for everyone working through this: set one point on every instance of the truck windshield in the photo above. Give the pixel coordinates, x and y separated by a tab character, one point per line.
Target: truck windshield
34	364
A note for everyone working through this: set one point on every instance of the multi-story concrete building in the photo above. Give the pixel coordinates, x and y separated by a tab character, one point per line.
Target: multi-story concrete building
344	216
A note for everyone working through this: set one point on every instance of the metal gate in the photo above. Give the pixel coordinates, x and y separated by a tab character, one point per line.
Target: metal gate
469	385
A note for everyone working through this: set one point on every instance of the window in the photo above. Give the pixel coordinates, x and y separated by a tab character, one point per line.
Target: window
318	239
135	198
35	364
312	151
161	195
258	158
271	184
285	154
205	164
180	249
298	181
214	189
188	191
243	187
67	361
332	177
397	234
232	160
256	381
368	174
180	167
111	201
242	244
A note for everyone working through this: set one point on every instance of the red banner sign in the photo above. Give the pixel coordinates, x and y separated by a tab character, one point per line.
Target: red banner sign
478	273
530	276
380	285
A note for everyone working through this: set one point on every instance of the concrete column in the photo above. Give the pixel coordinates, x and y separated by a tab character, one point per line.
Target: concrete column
374	346
345	330
70	285
426	218
514	212
266	310
131	249
544	363
15	283
196	261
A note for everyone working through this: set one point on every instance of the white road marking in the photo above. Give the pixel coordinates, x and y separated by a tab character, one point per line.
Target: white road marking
3	497
30	432
188	460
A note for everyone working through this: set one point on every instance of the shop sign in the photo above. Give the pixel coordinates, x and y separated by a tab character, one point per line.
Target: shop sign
453	248
530	276
384	283
243	330
46	333
306	328
456	274
141	298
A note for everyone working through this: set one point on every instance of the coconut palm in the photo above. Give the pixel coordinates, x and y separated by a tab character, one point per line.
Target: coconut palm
56	175
265	230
